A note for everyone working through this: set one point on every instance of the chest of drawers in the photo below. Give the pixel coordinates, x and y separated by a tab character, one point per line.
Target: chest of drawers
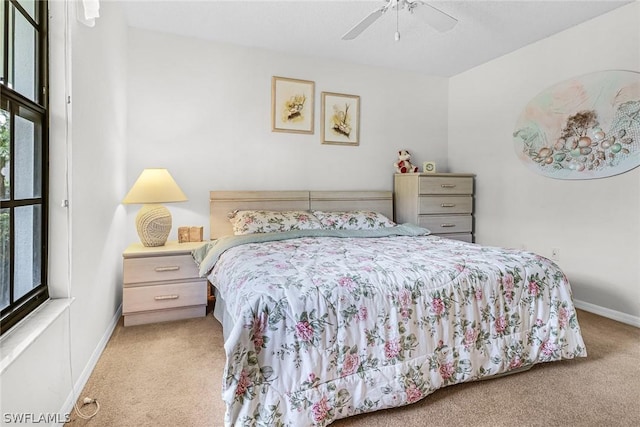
161	284
442	203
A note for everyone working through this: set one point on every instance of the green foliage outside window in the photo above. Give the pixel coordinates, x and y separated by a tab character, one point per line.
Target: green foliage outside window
4	256
4	216
4	151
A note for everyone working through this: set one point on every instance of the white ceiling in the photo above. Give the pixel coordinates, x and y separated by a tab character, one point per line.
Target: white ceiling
485	29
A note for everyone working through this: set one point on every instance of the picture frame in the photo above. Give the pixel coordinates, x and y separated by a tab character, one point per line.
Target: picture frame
292	105
340	119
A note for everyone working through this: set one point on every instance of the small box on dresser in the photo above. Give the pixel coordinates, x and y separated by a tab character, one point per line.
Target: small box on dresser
440	202
161	284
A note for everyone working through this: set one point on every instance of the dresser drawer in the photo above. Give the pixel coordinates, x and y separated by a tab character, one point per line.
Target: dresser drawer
158	269
439	224
445	185
160	297
445	205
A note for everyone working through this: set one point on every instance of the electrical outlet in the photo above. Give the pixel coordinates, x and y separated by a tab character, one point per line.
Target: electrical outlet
555	254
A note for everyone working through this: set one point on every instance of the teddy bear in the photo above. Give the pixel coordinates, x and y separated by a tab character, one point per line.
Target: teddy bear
404	165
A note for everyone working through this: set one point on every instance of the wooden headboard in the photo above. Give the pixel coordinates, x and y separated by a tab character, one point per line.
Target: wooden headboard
221	203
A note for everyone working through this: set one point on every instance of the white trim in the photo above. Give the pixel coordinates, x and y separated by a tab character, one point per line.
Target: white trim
608	313
19	338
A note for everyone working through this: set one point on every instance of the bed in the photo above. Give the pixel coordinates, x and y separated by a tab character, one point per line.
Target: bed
324	322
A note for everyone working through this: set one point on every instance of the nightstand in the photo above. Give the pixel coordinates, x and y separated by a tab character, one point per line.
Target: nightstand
161	283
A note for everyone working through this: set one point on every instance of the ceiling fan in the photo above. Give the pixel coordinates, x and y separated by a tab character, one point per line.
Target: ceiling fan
432	16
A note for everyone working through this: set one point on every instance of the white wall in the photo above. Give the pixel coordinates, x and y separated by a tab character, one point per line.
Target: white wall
39	381
203	110
594	223
98	177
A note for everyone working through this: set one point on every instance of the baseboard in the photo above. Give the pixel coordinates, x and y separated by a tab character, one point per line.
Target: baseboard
67	408
608	313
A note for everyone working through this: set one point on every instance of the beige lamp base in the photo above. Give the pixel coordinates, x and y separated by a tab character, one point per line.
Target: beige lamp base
153	223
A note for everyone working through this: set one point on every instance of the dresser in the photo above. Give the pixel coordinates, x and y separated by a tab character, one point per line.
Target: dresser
440	202
161	283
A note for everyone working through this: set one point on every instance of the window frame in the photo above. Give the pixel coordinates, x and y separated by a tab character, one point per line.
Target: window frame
19	308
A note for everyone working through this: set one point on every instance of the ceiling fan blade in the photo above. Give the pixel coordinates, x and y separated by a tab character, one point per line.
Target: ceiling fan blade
434	17
364	24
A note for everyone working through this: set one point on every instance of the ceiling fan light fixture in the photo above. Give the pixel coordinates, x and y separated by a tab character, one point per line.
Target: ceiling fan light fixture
431	15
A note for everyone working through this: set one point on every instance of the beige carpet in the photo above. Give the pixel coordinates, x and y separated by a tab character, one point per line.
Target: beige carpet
170	374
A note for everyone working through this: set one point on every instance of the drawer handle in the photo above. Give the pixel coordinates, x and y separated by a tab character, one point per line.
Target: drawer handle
448	205
447	225
447	185
169	268
165	297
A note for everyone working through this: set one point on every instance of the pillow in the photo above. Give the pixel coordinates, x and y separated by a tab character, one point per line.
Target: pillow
353	220
256	221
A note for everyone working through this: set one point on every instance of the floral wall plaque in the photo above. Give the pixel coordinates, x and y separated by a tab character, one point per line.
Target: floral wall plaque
583	128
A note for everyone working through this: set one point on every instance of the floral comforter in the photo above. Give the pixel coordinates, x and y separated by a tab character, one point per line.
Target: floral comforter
328	327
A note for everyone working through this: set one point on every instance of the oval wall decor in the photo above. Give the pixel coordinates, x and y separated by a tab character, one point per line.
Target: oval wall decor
583	128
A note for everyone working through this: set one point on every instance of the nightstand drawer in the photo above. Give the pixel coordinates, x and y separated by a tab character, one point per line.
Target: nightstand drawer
439	224
445	205
159	268
160	297
445	185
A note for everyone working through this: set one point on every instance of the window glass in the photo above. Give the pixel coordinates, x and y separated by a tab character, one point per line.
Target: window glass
8	56
5	153
27	156
5	245
2	59
28	252
30	7
24	57
23	154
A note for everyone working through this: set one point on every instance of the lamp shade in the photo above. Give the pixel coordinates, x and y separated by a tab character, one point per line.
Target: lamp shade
154	186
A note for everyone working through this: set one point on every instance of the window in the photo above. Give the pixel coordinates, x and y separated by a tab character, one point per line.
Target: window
23	158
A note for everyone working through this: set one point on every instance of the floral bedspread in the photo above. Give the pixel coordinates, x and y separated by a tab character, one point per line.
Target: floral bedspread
328	327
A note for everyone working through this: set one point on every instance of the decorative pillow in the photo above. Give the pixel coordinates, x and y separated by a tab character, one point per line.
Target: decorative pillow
253	221
353	220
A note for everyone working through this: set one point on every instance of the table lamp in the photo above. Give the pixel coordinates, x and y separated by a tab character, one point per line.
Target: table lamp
153	222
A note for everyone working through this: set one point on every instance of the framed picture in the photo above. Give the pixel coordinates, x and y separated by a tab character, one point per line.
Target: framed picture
340	119
292	103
